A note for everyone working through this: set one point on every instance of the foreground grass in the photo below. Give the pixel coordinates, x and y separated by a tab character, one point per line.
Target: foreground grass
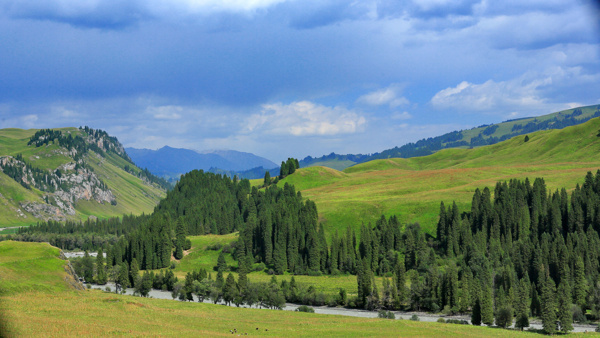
37	302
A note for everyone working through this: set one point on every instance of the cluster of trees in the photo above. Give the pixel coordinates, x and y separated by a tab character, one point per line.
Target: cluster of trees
90	235
207	203
288	167
95	140
281	231
524	252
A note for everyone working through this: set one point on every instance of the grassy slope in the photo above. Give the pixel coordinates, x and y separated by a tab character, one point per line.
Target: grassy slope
36	302
133	196
413	188
505	128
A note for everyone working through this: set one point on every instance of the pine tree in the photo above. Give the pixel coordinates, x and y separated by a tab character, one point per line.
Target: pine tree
522	307
565	314
476	313
487	305
465	297
88	267
267	179
134	273
101	276
580	287
221	263
122	281
230	290
548	302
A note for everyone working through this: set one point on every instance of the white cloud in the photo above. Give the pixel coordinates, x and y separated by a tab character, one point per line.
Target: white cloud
29	120
390	96
401	116
530	92
165	112
305	118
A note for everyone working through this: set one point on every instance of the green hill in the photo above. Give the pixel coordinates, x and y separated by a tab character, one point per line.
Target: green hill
413	188
475	137
69	173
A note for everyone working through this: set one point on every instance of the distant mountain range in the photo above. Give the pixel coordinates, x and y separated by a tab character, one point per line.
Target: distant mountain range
171	162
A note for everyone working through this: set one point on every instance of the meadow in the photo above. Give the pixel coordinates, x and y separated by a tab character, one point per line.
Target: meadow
413	188
36	301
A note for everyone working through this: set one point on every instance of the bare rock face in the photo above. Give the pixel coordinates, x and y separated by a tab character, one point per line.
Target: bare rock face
64	187
45	211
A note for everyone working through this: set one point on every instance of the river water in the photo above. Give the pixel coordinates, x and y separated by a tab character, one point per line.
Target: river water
325	310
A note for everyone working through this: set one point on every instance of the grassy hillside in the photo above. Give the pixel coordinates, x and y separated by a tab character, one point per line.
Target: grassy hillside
413	188
132	194
37	302
474	137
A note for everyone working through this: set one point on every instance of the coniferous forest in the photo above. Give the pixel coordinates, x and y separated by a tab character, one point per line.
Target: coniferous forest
520	251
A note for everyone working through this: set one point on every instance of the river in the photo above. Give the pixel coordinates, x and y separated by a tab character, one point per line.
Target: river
325	310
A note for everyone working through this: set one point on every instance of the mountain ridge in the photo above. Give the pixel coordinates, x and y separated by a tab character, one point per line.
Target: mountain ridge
486	134
171	162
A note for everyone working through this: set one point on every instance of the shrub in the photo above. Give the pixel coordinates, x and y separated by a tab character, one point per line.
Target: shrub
259	267
441	320
578	315
386	314
215	247
304	308
415	318
504	318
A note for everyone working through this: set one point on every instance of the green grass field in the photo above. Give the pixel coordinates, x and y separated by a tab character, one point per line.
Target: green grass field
36	301
413	188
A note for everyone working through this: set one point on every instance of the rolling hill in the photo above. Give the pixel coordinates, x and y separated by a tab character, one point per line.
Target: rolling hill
475	137
70	173
413	188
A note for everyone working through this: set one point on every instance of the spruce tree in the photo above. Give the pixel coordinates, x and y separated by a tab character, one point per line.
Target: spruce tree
487	305
580	287
476	313
565	314
134	273
230	290
522	308
88	267
548	301
101	276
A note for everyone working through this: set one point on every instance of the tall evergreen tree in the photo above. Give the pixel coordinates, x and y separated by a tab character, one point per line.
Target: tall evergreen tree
548	301
101	276
565	314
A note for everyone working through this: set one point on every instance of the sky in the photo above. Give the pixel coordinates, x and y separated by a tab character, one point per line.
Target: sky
292	78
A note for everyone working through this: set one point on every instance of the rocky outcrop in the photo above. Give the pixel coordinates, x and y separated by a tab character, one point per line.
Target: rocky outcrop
64	186
46	211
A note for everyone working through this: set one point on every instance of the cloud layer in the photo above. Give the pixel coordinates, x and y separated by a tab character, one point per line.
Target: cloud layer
317	75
